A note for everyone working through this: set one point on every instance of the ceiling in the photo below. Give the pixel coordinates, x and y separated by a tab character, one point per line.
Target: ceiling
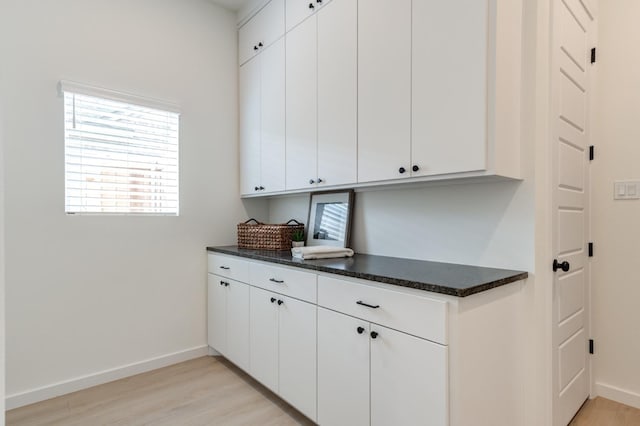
234	5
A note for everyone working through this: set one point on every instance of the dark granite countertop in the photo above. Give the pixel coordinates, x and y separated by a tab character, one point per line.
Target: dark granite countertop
437	277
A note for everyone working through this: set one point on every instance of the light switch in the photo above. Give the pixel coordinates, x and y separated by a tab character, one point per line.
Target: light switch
626	190
631	190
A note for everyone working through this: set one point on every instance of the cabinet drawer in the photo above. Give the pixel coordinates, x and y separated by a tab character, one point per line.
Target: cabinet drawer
229	267
420	316
298	284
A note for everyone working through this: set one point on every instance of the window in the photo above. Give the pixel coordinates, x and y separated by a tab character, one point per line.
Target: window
121	153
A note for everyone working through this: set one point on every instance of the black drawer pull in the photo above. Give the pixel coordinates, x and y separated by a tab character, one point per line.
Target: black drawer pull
360	302
273	280
225	267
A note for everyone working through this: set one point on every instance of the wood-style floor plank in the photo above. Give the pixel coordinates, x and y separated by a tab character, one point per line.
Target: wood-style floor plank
203	391
604	412
212	391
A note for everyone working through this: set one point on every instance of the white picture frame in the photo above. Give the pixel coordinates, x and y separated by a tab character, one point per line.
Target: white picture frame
329	220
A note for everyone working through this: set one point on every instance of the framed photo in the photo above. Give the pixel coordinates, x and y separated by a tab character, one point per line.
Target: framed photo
329	222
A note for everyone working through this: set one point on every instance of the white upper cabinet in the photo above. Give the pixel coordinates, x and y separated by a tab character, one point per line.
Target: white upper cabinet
322	98
449	86
298	10
378	91
262	122
338	92
261	30
384	89
301	106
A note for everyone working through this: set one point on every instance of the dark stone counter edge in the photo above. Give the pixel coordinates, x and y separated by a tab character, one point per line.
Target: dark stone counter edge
379	278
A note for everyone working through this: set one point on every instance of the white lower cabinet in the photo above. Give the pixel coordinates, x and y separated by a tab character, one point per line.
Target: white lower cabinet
283	347
369	374
408	379
343	369
228	322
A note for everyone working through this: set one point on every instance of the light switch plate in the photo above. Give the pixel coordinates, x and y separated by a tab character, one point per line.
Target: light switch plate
626	190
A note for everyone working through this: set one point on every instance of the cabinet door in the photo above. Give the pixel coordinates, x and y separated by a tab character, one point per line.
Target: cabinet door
249	89
263	332
449	126
238	324
408	380
301	105
338	92
343	370
216	313
298	355
260	31
298	10
272	111
384	89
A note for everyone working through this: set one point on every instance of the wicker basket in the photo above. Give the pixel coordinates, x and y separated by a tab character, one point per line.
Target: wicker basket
264	236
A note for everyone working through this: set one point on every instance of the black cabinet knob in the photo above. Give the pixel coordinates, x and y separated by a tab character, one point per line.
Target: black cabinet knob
318	1
311	6
311	181
226	284
415	168
565	266
273	299
320	180
401	170
222	283
360	330
260	44
255	188
280	302
374	334
255	47
261	188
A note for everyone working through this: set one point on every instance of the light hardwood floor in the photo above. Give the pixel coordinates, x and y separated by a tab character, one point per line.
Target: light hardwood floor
604	412
212	391
203	391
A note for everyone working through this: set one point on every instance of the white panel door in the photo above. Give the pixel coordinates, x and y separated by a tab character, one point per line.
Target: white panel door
216	313
449	86
343	370
263	332
338	92
572	33
409	378
238	323
384	89
301	106
249	81
298	354
272	109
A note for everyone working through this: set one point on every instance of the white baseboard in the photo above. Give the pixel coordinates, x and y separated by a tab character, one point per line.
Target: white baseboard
51	391
619	395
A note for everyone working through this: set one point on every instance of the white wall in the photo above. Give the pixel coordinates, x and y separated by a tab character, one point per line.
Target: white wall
87	294
480	224
616	224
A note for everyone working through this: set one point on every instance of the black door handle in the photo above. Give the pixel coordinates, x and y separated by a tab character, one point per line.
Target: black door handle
565	266
273	299
280	302
360	302
401	170
273	280
311	6
360	330
374	334
415	168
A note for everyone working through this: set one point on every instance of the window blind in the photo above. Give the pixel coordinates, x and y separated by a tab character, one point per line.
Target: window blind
120	157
